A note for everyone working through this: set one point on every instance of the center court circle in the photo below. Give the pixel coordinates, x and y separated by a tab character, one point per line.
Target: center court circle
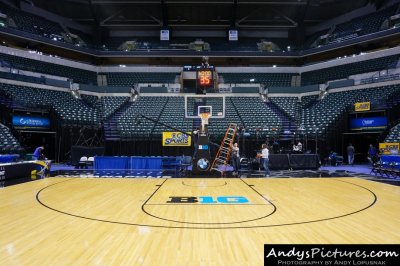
155	214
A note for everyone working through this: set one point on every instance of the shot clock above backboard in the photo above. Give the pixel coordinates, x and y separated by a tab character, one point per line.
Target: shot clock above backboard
205	77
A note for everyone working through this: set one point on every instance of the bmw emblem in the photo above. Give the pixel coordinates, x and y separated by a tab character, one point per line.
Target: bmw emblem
203	164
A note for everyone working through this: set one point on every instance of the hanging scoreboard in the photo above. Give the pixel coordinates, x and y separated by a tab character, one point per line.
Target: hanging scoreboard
205	77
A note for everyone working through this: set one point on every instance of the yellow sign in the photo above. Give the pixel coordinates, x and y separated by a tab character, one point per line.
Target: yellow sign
176	139
364	106
389	148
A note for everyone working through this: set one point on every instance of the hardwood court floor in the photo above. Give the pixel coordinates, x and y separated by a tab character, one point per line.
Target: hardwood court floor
116	221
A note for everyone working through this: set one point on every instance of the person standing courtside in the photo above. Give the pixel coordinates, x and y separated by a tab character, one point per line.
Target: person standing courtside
350	154
235	159
372	154
265	158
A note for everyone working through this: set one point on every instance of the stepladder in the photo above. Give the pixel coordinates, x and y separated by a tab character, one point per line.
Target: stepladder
223	154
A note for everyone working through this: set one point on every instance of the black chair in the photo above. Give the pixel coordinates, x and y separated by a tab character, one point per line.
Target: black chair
339	160
376	168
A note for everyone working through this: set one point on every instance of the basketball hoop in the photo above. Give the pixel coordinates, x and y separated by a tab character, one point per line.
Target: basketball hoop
204	117
204	120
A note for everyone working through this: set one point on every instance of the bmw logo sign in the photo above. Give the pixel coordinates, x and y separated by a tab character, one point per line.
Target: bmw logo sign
203	164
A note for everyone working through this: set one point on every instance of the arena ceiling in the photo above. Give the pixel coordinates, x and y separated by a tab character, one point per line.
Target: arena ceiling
200	14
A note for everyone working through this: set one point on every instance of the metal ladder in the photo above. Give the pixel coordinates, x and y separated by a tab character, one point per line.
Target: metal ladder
224	150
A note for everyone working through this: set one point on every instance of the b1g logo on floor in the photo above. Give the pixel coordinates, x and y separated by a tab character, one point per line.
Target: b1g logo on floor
209	200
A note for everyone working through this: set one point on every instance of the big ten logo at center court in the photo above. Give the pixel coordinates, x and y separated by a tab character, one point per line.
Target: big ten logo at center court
209	199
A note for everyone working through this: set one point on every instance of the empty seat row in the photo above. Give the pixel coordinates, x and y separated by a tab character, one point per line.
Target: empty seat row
130	78
269	79
344	71
321	117
8	143
75	74
69	109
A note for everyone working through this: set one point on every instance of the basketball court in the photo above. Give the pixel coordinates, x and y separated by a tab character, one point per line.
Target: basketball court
199	132
187	221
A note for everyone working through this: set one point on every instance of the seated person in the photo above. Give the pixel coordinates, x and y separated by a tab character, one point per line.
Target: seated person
38	153
298	148
332	158
223	169
295	147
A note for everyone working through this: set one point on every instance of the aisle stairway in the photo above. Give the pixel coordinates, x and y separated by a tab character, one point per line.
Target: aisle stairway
111	125
289	126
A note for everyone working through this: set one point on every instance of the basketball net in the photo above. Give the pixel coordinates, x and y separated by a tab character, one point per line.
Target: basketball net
204	120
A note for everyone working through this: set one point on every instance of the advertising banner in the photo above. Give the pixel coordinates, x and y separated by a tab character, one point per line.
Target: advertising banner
164	35
364	106
368	123
176	139
233	35
30	122
389	148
